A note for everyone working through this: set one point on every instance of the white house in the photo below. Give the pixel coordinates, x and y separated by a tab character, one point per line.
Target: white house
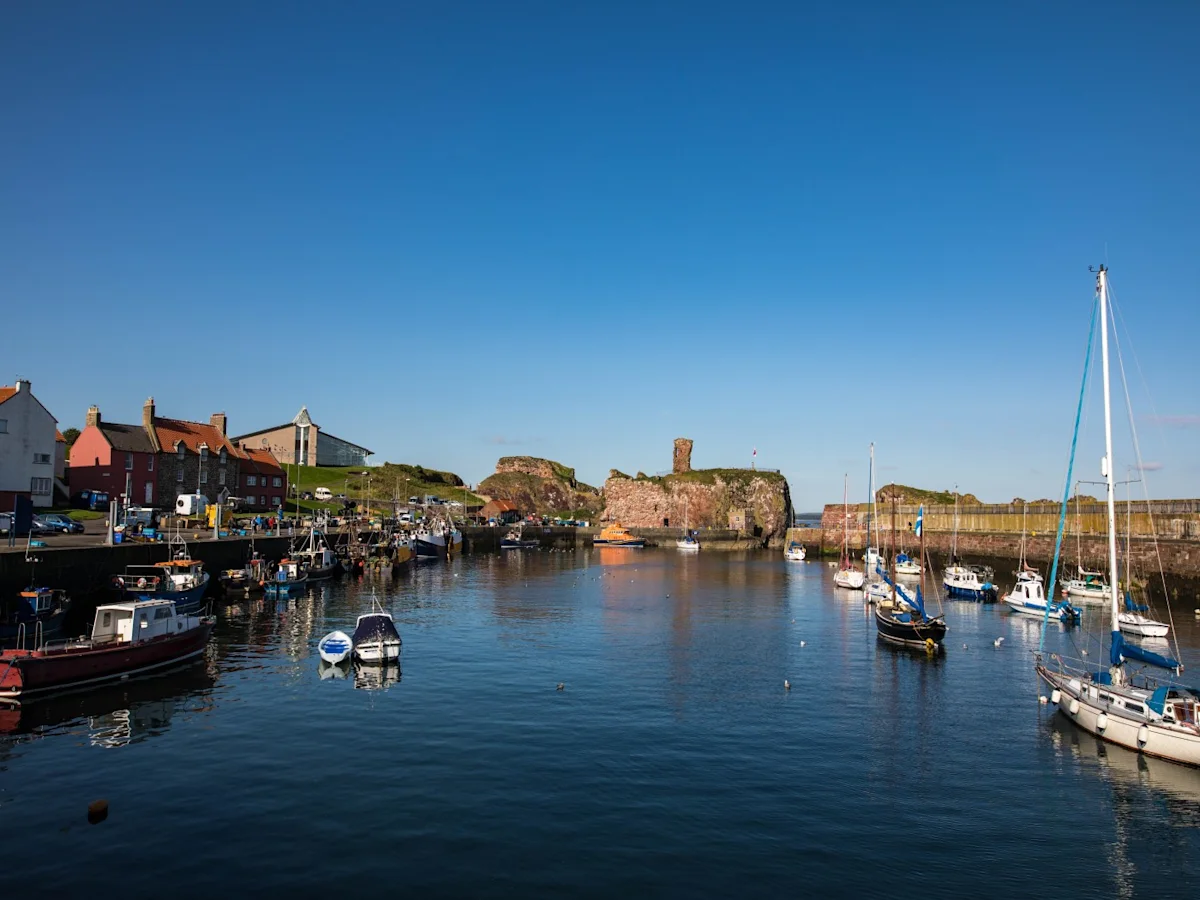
27	447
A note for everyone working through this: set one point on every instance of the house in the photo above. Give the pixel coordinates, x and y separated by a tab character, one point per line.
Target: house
27	450
264	482
156	461
503	511
302	442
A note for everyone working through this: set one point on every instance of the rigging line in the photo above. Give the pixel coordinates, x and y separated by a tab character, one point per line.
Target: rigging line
1062	513
1137	450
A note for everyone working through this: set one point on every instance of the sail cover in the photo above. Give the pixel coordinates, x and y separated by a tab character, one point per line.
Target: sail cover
1122	651
374	628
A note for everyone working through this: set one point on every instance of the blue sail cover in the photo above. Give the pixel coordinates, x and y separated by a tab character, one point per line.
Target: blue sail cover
918	602
1134	607
1122	651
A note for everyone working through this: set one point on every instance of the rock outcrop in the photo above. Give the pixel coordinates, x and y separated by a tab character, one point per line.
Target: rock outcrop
541	486
706	497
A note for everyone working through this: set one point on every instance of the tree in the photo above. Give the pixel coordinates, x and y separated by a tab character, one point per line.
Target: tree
72	435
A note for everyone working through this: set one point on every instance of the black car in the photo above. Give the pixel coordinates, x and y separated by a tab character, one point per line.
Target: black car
57	522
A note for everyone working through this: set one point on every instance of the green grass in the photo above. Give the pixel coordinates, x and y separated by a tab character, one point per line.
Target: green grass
79	515
382	484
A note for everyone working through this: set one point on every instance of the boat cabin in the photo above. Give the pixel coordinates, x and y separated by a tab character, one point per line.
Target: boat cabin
1177	705
136	621
181	574
33	604
289	570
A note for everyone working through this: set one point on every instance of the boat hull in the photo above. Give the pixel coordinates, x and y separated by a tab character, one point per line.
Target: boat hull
1107	721
910	634
979	595
851	579
335	647
434	545
188	601
35	674
1142	626
51	625
634	542
1036	610
285	588
377	653
527	544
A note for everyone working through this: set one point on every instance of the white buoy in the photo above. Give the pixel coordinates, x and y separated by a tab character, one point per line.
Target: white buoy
1043	699
787	685
964	646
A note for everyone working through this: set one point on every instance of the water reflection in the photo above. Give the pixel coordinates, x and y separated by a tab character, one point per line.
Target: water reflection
116	716
375	678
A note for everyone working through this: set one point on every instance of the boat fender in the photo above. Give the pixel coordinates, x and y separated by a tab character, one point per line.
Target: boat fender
929	645
1102	721
118	581
1143	735
1055	696
1073	708
141	582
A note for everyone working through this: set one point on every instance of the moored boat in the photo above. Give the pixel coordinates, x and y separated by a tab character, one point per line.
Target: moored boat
376	640
183	581
1088	587
794	552
128	639
847	576
904	621
515	540
34	611
439	540
1028	598
319	560
290	578
969	582
335	647
617	535
249	579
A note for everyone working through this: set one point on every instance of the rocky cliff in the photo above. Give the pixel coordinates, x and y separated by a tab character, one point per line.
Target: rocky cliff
541	486
707	497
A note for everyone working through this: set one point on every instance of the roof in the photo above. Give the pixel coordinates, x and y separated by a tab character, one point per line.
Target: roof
261	459
126	438
58	437
7	392
347	443
502	505
192	435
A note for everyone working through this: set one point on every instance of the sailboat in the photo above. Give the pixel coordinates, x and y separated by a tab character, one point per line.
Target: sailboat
1026	572
967	582
1087	586
1117	705
1132	620
904	620
688	541
847	576
873	560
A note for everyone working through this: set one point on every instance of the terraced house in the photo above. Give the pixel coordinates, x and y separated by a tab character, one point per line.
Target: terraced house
161	458
28	447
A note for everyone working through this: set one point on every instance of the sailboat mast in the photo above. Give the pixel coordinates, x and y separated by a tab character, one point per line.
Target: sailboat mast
1102	281
845	518
954	542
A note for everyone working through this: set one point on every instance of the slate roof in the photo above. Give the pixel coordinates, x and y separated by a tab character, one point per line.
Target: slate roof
126	438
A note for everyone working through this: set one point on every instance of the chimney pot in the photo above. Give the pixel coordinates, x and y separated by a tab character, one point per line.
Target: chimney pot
217	421
93	416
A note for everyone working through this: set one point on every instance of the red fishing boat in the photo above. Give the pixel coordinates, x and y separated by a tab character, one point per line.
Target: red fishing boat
130	639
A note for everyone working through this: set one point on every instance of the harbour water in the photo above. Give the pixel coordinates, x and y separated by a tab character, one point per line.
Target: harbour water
672	763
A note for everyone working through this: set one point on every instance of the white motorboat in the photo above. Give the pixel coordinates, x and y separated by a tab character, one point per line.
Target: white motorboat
1088	587
335	647
376	640
794	552
1028	598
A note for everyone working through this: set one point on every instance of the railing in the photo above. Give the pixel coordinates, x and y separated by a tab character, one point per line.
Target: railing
735	468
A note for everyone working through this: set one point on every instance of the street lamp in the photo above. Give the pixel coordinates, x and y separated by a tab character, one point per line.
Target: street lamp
367	475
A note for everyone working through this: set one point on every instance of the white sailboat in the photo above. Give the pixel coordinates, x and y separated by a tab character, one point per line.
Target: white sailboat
873	559
1117	705
1131	619
688	541
847	576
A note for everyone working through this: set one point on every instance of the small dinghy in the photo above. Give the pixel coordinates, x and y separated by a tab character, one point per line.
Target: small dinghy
335	647
376	640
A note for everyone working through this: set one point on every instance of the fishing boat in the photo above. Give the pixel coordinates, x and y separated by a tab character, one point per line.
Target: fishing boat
34	614
617	535
376	640
320	561
249	579
183	581
335	647
515	540
847	576
439	539
129	639
1120	705
289	580
904	621
1028	598
688	542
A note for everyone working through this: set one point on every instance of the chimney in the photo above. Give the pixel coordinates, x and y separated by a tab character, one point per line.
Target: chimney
93	416
148	413
217	421
22	384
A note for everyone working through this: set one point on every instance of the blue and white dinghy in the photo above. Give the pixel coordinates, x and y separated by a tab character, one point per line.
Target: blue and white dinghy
335	647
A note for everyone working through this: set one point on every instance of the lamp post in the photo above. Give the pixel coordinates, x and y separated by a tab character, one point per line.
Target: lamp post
367	475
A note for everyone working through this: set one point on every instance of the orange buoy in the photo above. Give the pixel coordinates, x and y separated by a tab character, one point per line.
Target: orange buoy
97	811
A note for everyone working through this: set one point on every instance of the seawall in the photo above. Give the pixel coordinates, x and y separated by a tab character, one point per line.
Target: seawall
487	539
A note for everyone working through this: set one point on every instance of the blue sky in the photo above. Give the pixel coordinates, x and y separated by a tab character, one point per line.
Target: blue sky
464	230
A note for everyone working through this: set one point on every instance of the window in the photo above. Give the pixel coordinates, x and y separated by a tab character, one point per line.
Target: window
263	499
44	602
128	462
40	487
163	612
276	481
149	492
179	477
222	456
221	477
203	453
107	623
149	463
3	426
41	459
182	449
204	476
251	481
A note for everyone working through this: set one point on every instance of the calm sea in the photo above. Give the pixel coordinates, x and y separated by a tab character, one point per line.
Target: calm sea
674	763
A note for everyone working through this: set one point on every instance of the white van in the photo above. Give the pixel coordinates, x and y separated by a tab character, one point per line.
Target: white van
323	494
191	505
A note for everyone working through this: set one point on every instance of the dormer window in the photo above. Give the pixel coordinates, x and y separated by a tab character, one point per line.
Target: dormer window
203	452
222	456
181	449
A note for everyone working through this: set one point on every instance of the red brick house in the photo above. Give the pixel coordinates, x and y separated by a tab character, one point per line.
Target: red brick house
161	458
264	482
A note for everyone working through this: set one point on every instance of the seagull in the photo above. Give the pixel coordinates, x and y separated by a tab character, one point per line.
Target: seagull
997	642
1085	653
802	643
561	687
787	685
964	646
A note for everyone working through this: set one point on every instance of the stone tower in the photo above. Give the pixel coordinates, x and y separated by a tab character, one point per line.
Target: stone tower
683	456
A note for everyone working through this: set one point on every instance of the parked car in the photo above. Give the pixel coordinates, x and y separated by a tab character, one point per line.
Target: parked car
36	528
341	497
306	495
94	500
61	523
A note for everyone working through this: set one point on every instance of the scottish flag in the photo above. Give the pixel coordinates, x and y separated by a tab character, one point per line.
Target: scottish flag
920	520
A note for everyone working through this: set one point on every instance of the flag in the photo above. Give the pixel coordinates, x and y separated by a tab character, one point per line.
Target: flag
920	519
755	453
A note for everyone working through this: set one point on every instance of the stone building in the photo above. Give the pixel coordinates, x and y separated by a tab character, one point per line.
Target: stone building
301	441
